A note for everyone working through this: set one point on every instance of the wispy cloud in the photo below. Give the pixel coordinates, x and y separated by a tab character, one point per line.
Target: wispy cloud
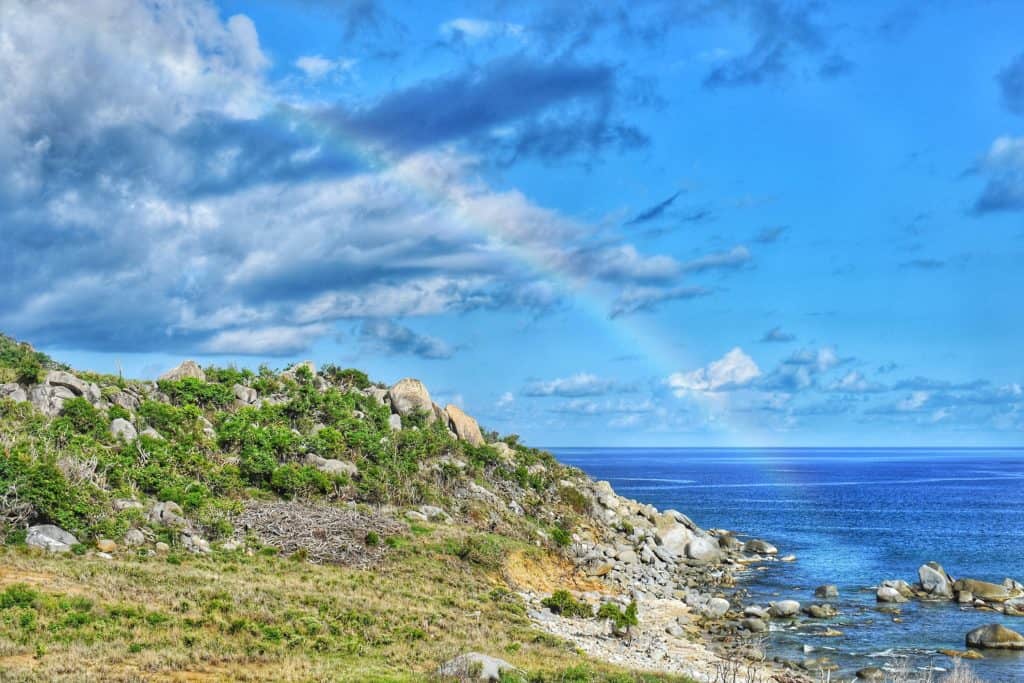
653	212
777	335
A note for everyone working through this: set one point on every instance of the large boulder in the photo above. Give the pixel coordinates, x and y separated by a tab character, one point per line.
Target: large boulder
79	387
49	399
167	513
889	594
465	427
123	429
995	637
989	592
715	608
188	368
50	538
783	609
474	666
672	533
409	396
934	580
760	547
703	549
245	395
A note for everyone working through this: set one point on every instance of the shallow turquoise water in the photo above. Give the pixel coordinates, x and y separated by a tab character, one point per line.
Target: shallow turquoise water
853	517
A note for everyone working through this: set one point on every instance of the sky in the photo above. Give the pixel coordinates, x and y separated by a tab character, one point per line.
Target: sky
645	223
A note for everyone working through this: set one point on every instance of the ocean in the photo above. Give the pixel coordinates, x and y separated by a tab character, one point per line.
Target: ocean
853	517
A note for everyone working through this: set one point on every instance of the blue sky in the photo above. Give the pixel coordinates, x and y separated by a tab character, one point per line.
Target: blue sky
644	223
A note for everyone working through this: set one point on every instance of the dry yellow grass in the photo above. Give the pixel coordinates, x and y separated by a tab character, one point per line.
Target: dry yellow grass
232	617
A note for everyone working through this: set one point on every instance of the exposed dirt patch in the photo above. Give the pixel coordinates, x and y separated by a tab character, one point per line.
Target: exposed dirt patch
545	573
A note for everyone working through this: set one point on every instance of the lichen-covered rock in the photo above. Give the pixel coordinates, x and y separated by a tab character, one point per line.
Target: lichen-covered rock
187	369
464	426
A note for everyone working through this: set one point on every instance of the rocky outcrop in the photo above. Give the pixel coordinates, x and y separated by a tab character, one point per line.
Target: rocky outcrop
464	426
244	395
408	396
983	590
50	538
167	513
13	391
187	369
78	387
995	637
48	399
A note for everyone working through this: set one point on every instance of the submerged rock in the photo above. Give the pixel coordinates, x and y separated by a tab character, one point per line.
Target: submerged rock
826	591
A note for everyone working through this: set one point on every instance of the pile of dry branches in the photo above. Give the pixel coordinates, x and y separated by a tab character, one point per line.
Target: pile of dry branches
323	534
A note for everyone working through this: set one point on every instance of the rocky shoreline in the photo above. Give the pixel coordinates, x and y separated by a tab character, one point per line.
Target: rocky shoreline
694	618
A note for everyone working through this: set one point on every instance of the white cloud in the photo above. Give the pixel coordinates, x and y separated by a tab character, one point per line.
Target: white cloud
733	370
506	400
316	67
277	340
580	384
856	383
473	30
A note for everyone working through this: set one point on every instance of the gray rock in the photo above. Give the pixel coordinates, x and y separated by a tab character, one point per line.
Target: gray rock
331	466
433	512
826	591
627	556
244	394
79	387
129	402
995	637
784	609
195	544
753	624
409	396
755	611
134	538
505	452
14	392
872	674
167	513
715	608
123	429
889	594
151	433
703	549
50	537
395	422
934	580
760	547
187	369
474	666
823	611
415	516
49	400
126	504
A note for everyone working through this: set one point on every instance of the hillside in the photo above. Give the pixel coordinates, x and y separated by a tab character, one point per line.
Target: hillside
225	524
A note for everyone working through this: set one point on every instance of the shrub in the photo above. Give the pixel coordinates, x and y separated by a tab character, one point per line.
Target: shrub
372	539
621	620
561	536
481	549
42	485
572	497
18	595
291	479
196	392
347	377
78	415
562	602
116	411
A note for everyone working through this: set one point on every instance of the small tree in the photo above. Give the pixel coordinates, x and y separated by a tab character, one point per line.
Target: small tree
622	621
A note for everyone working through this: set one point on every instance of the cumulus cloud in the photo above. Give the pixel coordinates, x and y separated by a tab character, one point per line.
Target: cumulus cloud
734	370
389	337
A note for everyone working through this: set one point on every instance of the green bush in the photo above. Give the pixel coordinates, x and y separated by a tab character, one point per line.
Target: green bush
79	416
53	498
484	550
196	392
116	411
18	595
348	377
621	620
291	479
562	602
572	497
561	536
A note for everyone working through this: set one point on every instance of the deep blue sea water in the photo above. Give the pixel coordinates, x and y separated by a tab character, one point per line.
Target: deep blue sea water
853	517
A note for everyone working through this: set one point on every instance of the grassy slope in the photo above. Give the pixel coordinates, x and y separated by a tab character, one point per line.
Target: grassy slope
231	615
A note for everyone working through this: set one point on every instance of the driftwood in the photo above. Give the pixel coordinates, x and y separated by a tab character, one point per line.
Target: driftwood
324	534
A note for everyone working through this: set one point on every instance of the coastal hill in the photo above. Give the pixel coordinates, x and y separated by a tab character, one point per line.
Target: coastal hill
309	524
